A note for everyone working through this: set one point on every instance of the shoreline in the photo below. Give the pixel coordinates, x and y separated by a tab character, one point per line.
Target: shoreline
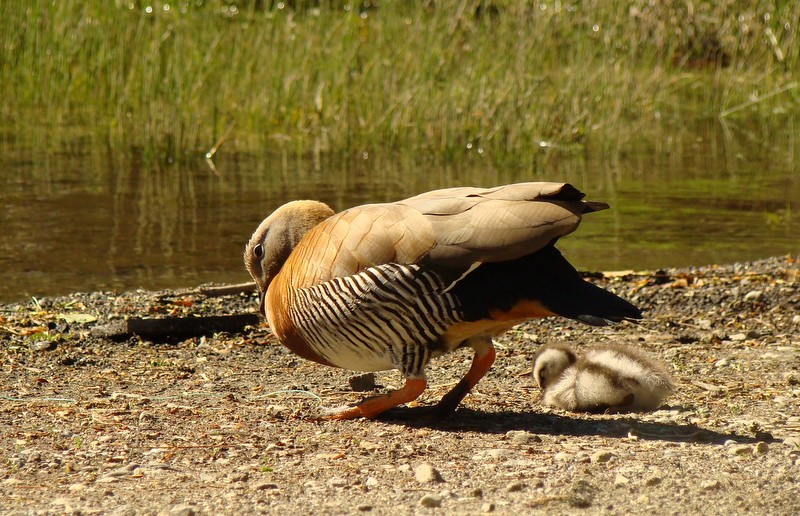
227	422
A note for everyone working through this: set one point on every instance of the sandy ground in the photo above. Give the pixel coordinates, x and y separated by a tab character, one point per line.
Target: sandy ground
227	423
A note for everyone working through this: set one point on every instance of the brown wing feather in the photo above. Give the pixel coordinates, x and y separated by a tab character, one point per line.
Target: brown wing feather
498	224
358	238
454	227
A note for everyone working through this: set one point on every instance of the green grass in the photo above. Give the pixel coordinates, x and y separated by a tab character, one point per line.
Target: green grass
505	79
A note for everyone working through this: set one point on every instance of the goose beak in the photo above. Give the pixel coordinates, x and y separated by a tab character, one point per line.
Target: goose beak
262	303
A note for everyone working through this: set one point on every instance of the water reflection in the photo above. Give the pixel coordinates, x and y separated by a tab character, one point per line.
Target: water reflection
76	219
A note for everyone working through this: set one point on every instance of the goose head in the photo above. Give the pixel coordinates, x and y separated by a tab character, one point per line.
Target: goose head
275	239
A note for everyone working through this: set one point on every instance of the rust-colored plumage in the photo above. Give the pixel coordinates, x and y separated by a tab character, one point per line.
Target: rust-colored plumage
392	285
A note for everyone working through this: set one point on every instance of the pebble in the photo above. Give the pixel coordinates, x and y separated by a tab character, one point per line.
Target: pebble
653	481
740	449
239	477
476	493
753	295
487	507
621	480
792	441
738	337
515	486
362	382
562	456
182	510
710	486
337	482
42	345
722	362
364	507
499	453
264	486
431	500
602	456
761	448
425	474
522	437
581	495
796	319
371	482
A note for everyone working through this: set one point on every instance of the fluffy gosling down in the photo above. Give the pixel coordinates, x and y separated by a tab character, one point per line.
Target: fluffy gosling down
607	378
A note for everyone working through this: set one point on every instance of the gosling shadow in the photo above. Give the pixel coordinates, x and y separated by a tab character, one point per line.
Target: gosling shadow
616	426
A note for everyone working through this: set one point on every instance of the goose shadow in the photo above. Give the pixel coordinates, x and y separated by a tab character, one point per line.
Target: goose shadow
542	423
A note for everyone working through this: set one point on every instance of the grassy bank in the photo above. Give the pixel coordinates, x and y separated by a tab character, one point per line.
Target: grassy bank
501	78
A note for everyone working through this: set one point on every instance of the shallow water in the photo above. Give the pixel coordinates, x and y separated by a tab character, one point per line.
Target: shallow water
78	218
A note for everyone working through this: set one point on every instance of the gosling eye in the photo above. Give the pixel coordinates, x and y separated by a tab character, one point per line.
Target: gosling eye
258	250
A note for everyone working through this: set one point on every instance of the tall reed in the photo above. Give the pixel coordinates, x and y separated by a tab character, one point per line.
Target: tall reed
506	80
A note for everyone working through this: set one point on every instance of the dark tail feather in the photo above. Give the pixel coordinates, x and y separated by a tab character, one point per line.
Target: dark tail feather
591	304
543	276
573	297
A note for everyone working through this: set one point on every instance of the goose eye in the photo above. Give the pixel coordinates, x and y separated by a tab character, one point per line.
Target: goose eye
258	250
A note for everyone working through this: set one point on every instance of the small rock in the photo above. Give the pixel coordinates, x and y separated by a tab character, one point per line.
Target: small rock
792	441
705	324
711	485
653	481
239	477
581	495
425	474
264	486
276	410
337	482
369	445
182	510
729	442
403	467
562	456
741	449
522	437
362	382
621	480
796	319
499	453
431	500
753	295
487	507
602	456
364	507
371	482
78	487
760	448
515	486
738	337
476	493
722	363
42	345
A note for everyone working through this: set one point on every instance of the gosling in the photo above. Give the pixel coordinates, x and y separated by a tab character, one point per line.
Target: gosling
607	378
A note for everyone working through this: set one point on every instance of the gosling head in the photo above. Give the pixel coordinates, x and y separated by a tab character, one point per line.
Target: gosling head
276	237
550	361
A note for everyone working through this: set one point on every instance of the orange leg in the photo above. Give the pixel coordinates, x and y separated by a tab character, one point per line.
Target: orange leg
374	406
481	363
